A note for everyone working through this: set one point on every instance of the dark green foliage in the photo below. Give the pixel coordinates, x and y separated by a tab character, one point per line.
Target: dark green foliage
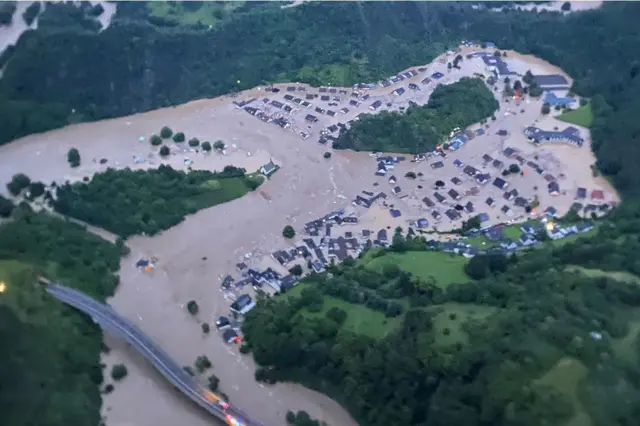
288	232
164	151
546	109
566	6
203	363
206	146
213	382
96	10
192	307
327	154
421	128
67	16
472	223
155	140
336	314
410	175
7	9
73	157
18	182
302	418
194	142
36	189
514	168
219	145
206	328
119	372
129	202
49	349
109	388
29	15
166	132
296	270
178	137
6	207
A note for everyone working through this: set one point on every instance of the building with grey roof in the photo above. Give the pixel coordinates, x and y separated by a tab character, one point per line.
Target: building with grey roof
551	82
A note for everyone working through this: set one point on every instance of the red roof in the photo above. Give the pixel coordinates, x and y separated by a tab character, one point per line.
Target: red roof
596	194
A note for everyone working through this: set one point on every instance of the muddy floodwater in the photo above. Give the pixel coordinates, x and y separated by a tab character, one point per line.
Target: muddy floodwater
193	256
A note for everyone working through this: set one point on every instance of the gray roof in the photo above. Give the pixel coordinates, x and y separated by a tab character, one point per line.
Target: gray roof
550	80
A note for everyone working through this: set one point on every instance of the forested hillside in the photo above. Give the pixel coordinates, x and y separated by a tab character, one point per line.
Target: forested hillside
135	65
422	128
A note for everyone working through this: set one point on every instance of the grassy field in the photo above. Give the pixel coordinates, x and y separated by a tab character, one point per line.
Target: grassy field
447	324
582	116
209	13
360	319
616	275
445	268
565	377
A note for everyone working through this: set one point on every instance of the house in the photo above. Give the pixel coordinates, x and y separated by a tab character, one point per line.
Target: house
469	208
553	100
458	163
497	164
454	194
317	267
428	202
436	215
584	227
243	304
597	194
510	195
494	233
382	235
422	223
392	180
437	75
550	211
439	197
311	118
483	178
509	245
288	97
399	91
509	152
487	158
570	135
521	202
268	169
395	213
554	188
374	106
490	202
231	336
277	104
288	282
470	171
396	190
331	113
437	165
426	81
506	210
413	86
483	217
581	193
456	181
500	183
551	82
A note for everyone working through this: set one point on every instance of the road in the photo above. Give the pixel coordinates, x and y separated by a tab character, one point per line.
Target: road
109	320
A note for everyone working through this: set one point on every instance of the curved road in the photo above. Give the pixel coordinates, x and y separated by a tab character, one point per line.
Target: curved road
109	319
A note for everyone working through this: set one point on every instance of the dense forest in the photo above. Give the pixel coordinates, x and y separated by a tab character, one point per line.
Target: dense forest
128	202
50	369
422	128
487	352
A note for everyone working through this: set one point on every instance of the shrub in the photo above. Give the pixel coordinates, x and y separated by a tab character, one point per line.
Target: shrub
205	328
203	363
73	157
213	383
336	314
108	388
194	142
410	175
514	168
288	232
119	372
178	137
206	146
155	140
296	270
166	132
219	145
18	182
192	307
164	151
327	154
29	15
291	418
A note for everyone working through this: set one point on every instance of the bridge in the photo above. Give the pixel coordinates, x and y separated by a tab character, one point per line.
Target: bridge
110	321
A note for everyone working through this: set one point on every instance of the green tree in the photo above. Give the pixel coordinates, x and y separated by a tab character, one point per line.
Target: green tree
296	270
6	207
119	372
327	154
213	383
566	6
164	151
288	232
156	140
36	189
18	182
30	13
203	363
192	307
514	168
219	145
166	132
206	328
73	157
546	109
410	175
178	137
206	146
194	142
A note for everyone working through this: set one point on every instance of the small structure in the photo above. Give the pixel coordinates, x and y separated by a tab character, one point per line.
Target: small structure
269	168
230	336
551	82
243	304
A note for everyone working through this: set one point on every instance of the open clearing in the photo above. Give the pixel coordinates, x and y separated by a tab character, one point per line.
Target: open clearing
360	319
209	13
582	116
623	276
565	377
445	268
448	324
